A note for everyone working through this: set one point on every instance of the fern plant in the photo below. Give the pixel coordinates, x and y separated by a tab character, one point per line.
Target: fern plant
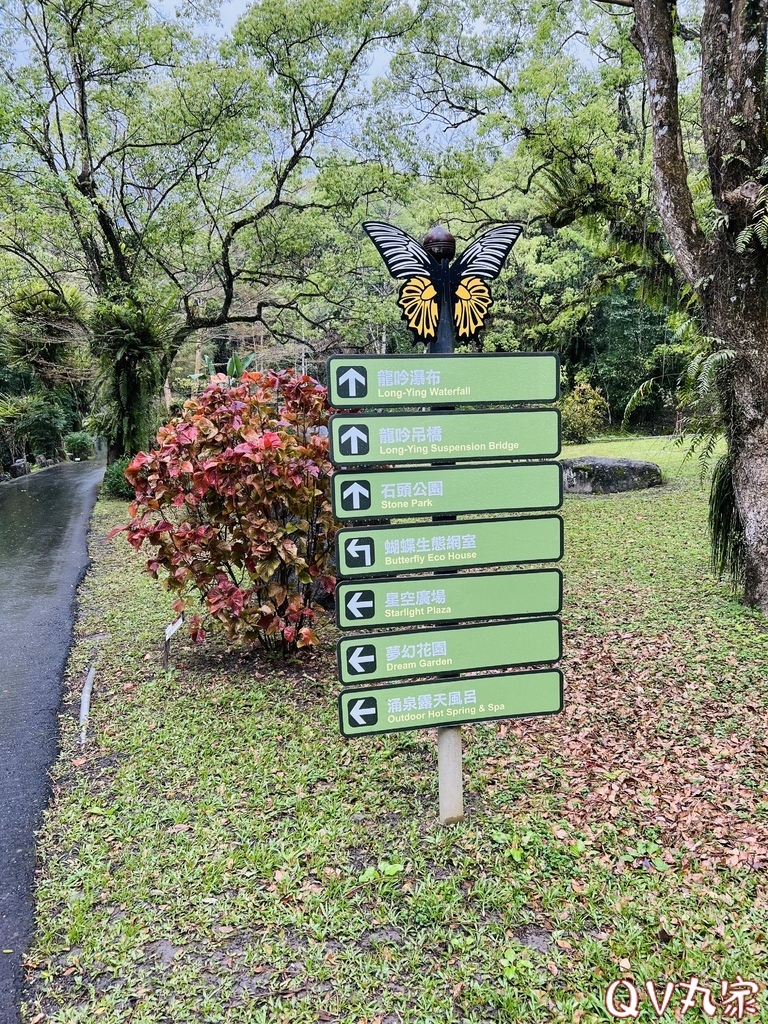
726	532
756	232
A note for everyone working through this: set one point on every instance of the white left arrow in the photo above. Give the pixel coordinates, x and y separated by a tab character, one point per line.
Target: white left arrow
358	712
356	547
355	437
357	660
355	603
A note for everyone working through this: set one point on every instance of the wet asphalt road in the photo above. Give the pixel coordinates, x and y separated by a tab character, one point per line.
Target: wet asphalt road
43	525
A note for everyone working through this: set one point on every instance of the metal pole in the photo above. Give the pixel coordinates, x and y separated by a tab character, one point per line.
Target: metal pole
449	778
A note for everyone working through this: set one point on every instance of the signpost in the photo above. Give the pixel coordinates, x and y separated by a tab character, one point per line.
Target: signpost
468	544
453	701
464	463
404	654
444	436
379	493
416	600
357	382
169	631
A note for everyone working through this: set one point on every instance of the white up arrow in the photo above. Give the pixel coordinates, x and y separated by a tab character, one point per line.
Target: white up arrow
357	547
358	712
351	378
357	659
354	604
355	436
356	491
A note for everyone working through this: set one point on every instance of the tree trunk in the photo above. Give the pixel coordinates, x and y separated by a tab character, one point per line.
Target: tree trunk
736	308
732	286
749	451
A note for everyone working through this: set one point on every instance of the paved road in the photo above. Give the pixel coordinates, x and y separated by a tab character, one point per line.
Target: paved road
43	524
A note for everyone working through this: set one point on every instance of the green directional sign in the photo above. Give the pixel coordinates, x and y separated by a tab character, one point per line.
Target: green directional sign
415	600
473	543
444	436
428	491
425	705
385	381
399	655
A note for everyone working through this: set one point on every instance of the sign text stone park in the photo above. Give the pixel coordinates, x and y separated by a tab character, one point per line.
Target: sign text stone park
446	490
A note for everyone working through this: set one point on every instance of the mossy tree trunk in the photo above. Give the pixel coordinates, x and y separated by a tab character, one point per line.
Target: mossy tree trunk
727	270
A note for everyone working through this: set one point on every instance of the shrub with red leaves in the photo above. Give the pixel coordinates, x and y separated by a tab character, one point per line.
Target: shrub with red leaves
235	504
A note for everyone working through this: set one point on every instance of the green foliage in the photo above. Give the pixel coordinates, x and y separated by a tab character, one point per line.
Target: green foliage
236	367
45	333
627	344
705	394
727	550
201	195
235	503
114	484
31	424
755	234
584	412
131	337
79	444
44	368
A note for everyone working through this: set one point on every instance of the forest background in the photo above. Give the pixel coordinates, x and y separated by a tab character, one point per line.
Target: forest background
173	192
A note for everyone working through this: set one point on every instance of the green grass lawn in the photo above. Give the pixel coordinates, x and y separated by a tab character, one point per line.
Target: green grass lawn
217	852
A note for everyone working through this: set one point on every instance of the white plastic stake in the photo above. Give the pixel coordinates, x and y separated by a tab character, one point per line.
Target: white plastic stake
449	779
85	704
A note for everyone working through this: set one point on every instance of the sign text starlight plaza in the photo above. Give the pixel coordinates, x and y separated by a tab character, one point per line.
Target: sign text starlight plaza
415	600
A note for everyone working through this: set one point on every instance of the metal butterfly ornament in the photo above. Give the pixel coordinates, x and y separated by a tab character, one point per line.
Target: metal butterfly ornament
437	296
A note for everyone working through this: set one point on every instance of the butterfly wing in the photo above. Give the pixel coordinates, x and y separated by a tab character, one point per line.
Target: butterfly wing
481	261
405	258
418	301
472	300
402	255
485	257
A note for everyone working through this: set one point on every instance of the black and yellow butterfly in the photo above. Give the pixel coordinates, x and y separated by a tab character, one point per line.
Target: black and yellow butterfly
435	289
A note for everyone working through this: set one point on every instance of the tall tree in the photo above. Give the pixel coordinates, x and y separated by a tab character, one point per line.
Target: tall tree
594	138
164	172
727	268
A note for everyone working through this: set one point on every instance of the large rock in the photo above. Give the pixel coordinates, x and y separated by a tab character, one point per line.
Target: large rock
590	474
19	468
